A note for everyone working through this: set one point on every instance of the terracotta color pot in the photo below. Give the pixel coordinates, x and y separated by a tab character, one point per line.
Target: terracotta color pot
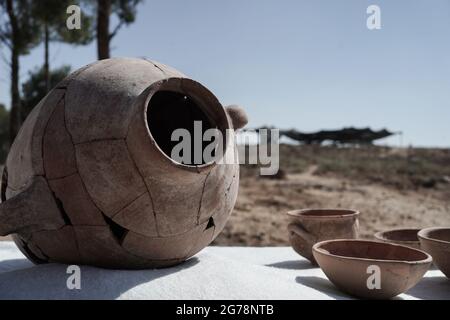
310	226
89	178
406	237
436	241
350	263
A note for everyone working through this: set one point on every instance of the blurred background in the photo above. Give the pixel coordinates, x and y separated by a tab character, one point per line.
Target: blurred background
364	114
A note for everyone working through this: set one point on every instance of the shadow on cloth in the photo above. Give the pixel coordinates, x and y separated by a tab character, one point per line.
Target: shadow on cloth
293	265
49	281
15	264
322	285
431	288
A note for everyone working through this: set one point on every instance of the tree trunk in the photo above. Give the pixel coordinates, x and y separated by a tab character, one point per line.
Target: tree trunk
15	116
46	60
103	13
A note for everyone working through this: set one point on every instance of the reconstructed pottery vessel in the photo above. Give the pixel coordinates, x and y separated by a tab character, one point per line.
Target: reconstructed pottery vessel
89	178
309	226
436	241
406	237
350	263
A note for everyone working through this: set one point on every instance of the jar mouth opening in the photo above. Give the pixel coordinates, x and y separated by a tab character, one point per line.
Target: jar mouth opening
180	116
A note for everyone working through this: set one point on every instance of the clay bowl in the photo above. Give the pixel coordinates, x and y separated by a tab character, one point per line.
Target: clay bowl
436	241
352	265
406	237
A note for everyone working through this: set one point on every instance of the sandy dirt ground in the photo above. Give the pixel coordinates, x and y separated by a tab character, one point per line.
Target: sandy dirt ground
259	217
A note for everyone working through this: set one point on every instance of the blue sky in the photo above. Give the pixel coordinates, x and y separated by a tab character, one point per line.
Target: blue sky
305	64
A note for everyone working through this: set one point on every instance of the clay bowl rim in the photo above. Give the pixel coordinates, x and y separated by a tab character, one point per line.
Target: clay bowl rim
317	248
345	213
379	236
423	234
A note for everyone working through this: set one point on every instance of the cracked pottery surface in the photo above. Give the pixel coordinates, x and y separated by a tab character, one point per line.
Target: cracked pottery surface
85	181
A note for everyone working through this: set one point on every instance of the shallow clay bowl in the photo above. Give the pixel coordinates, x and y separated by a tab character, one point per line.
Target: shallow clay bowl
350	263
406	237
436	241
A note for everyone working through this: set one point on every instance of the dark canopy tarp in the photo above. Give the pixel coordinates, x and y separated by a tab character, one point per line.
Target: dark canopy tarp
344	136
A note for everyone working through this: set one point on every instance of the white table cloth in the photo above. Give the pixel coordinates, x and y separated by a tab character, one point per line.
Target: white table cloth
214	273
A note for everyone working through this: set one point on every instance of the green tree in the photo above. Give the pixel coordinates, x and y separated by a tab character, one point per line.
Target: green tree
35	87
51	16
125	10
17	33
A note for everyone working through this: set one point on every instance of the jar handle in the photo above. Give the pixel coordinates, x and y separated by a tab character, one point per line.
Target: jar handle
237	115
301	232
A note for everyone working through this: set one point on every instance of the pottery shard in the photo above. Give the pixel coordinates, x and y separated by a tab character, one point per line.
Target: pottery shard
19	161
219	198
63	84
109	174
177	204
11	192
59	244
214	191
29	249
76	202
229	197
138	216
34	249
204	240
163	248
166	70
58	161
25	157
32	210
102	109
220	193
99	247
